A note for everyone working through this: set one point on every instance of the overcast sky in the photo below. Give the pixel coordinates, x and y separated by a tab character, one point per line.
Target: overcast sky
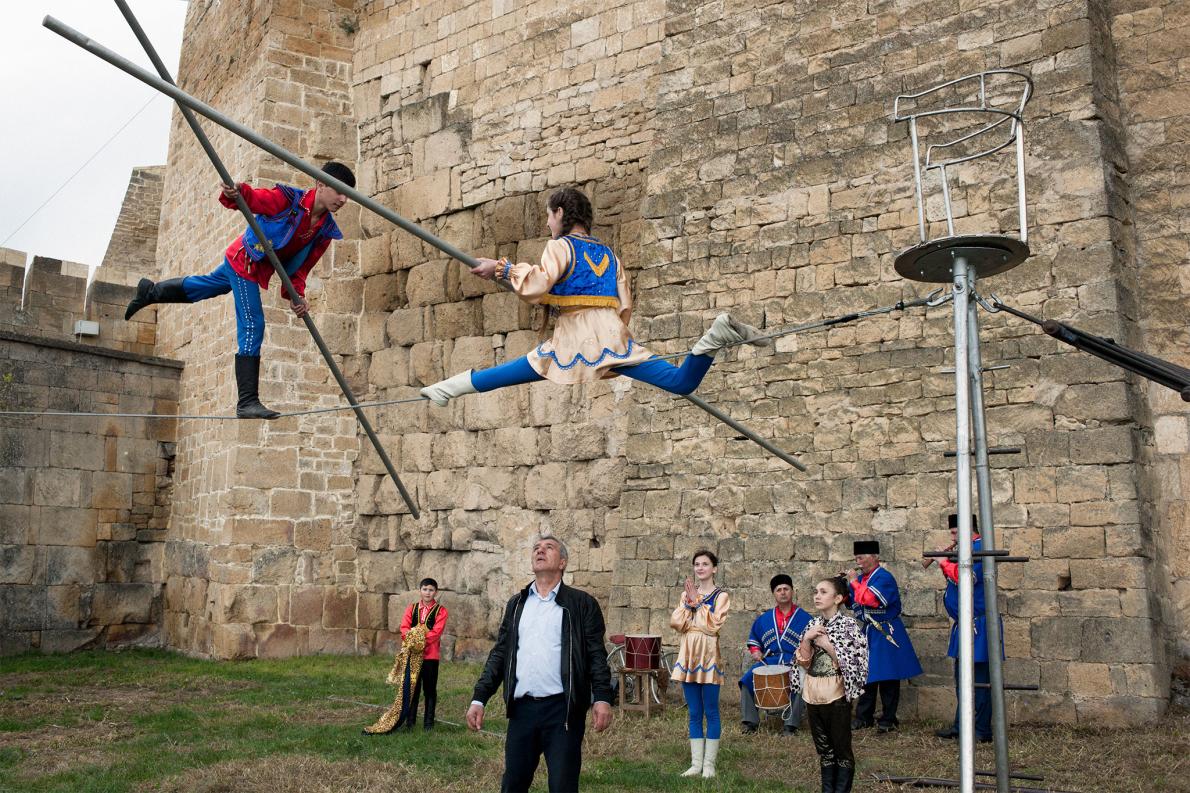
59	105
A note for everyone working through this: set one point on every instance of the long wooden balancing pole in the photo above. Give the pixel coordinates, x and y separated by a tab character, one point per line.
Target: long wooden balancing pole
185	101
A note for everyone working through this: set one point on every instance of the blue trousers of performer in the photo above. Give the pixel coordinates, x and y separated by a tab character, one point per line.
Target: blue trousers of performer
702	700
245	293
983	700
674	379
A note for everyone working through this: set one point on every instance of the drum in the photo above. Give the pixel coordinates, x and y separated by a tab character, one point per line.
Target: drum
771	684
642	652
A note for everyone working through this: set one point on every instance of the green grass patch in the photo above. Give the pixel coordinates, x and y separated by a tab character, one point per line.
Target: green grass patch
150	720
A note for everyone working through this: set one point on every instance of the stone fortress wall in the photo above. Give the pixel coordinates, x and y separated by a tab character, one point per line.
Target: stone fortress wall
741	157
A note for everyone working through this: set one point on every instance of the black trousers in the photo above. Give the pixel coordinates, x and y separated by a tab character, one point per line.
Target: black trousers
890	697
830	725
538	727
427	681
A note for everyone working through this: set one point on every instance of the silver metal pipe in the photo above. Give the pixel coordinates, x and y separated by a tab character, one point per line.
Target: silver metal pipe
278	268
966	628
983	480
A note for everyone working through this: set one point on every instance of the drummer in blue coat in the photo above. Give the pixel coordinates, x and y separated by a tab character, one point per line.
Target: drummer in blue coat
773	640
983	696
876	602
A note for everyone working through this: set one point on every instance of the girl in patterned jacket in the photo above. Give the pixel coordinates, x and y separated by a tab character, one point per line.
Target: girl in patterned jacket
834	655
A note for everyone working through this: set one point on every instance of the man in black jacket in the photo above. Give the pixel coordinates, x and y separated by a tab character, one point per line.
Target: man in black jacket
550	657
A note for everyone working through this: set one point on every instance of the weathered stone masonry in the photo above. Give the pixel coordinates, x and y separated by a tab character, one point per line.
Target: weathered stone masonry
741	156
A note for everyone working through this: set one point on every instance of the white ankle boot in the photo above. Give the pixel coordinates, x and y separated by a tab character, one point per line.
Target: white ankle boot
709	757
696	754
727	330
445	390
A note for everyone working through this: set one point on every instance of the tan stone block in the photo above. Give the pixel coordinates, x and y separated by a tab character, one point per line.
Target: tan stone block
244	530
406	326
313	534
376	255
264	467
389	367
281	641
1073	542
338	607
66	526
233	642
428	283
305	605
425	196
384	292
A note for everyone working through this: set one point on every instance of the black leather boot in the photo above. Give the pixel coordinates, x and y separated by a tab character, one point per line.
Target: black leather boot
829	776
844	778
248	383
148	293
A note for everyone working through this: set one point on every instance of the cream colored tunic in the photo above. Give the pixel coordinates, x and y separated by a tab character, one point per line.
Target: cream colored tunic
698	650
587	341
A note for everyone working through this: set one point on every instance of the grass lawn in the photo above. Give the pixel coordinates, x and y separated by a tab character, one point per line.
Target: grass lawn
154	721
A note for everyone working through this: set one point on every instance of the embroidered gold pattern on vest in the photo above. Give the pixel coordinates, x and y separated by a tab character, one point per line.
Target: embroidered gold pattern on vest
598	269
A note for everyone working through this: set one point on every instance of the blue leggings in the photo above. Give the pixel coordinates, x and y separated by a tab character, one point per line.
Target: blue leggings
249	312
702	699
674	379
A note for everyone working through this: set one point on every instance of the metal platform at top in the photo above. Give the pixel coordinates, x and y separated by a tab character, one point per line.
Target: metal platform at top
986	254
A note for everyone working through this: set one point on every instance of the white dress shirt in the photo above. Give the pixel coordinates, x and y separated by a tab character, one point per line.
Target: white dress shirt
539	645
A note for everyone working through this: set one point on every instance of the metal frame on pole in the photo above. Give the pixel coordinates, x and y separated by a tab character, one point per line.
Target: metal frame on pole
961	259
225	176
184	100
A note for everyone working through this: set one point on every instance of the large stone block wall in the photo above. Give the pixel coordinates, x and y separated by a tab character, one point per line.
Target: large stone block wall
470	114
741	157
84	501
132	251
57	294
260	559
779	177
1154	117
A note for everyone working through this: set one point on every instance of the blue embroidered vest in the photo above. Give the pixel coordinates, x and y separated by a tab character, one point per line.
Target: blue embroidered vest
279	229
590	276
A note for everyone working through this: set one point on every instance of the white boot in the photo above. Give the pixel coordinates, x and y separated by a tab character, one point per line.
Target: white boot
696	754
724	331
709	758
445	390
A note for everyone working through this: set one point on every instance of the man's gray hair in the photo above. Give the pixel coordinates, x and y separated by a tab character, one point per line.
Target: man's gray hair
561	545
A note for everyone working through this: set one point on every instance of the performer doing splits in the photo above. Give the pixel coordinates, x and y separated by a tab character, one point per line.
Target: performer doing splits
300	225
834	653
876	603
699	618
583	281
